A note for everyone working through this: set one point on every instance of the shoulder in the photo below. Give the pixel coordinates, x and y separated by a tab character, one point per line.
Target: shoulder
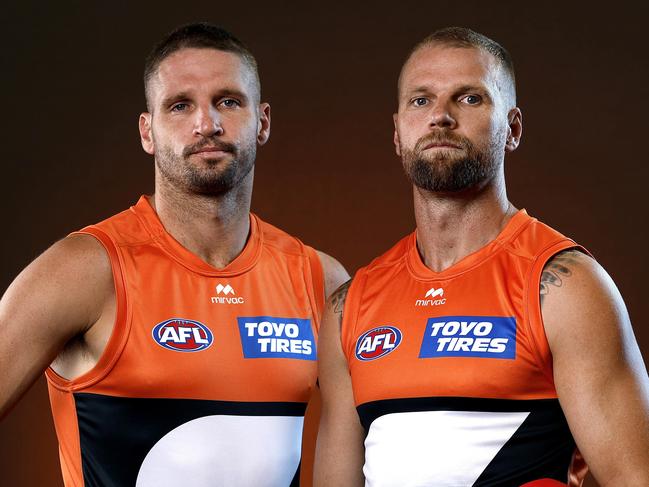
393	256
333	271
337	299
278	239
579	301
78	254
534	240
78	266
125	227
67	286
572	274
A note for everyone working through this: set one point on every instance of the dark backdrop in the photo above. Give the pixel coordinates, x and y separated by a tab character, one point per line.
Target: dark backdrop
71	77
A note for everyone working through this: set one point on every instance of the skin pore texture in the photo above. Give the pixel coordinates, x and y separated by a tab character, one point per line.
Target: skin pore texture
455	122
203	129
204	143
452	129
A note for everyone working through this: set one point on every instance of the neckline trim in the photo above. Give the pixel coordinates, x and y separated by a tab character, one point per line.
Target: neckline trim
420	271
241	263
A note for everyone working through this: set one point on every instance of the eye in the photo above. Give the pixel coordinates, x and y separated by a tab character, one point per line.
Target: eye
471	99
230	103
420	101
179	107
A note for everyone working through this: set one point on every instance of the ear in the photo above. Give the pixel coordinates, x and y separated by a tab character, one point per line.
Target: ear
146	137
515	121
395	137
263	124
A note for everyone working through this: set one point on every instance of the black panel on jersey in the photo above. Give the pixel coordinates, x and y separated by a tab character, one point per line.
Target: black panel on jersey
105	422
296	478
369	411
542	447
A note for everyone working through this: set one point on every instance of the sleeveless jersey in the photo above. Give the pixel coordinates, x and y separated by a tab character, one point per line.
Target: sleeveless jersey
452	372
207	373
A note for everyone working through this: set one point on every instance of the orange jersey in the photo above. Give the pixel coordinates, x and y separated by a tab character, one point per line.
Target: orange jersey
207	373
452	372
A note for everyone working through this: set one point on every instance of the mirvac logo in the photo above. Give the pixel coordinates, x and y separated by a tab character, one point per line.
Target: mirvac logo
433	297
469	336
271	337
226	295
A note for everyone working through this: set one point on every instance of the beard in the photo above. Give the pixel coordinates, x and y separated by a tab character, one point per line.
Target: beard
209	177
452	170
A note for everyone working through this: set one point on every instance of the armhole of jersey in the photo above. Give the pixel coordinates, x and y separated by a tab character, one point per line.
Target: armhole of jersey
317	294
533	315
121	326
351	310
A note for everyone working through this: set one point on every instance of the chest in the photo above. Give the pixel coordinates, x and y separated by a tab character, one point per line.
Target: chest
467	336
244	337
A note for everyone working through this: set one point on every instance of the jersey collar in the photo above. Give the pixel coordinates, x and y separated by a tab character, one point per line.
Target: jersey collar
243	262
419	270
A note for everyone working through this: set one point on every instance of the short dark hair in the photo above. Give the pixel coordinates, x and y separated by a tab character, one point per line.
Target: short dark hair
466	38
201	35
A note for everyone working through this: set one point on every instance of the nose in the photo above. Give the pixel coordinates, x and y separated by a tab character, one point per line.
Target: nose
441	116
208	122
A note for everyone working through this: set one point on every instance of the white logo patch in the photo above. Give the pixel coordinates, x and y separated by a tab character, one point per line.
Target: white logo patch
433	297
226	295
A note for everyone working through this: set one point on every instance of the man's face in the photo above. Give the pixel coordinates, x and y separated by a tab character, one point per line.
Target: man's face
205	121
455	118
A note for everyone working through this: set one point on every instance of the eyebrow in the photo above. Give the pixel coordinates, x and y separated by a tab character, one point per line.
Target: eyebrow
418	89
461	89
186	95
468	88
176	97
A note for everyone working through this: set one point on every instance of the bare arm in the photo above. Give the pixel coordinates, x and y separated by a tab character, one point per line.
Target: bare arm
339	451
334	273
57	297
599	374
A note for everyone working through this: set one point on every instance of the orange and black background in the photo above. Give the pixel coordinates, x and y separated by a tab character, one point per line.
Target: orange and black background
72	93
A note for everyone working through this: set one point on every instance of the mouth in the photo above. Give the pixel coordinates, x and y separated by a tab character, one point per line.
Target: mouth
441	145
211	150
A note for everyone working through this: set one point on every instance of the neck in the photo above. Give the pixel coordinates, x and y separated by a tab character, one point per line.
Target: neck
452	226
215	228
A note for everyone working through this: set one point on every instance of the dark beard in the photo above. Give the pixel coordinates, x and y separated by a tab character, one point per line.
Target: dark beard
448	172
209	181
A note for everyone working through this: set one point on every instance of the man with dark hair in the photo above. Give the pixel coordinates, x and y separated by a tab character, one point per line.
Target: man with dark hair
485	348
201	36
181	333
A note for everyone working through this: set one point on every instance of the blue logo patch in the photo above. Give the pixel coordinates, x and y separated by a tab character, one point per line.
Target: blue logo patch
377	342
272	337
469	336
182	335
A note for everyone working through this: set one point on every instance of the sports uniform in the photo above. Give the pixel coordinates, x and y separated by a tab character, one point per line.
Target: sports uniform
452	372
207	373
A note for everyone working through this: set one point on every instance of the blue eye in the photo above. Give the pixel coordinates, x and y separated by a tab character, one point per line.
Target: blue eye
471	99
230	103
179	107
419	102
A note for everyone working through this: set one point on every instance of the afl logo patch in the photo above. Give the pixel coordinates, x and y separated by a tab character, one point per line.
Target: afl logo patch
182	335
377	342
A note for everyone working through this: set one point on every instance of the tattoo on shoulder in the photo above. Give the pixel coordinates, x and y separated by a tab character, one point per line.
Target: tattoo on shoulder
557	269
338	300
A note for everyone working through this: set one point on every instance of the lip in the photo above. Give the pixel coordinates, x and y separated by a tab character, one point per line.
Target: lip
441	146
210	150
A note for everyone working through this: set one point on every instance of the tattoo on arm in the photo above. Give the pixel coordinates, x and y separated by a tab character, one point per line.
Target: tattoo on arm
556	270
338	300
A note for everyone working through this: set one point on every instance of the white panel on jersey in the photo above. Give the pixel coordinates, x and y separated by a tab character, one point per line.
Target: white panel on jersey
224	451
435	448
